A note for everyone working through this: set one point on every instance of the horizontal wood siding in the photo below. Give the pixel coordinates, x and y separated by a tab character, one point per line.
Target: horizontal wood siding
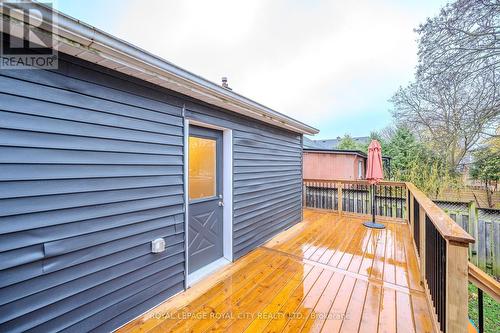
267	180
331	166
91	170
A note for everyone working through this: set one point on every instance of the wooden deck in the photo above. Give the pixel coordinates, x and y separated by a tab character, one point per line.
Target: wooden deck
327	273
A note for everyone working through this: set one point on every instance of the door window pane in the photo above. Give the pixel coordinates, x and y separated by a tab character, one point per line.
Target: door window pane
202	167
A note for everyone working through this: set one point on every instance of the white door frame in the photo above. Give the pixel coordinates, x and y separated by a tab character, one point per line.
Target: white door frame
227	197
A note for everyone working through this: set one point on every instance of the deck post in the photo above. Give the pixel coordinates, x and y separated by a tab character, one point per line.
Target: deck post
456	286
303	196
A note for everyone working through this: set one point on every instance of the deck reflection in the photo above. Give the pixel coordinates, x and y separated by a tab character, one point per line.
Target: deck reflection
328	273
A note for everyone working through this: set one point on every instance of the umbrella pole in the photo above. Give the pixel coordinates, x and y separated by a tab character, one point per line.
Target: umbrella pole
372	223
373	203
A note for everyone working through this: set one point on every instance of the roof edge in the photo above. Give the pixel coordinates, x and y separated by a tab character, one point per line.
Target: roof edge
341	151
74	35
336	151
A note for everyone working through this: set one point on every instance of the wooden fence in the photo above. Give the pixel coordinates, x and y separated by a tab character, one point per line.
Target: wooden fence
467	195
484	226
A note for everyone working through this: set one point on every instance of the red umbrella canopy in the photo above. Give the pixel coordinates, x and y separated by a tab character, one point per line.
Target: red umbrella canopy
374	169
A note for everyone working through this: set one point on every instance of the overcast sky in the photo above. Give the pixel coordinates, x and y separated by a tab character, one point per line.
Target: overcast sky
331	64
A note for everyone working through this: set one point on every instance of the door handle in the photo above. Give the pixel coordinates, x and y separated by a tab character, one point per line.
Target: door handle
221	204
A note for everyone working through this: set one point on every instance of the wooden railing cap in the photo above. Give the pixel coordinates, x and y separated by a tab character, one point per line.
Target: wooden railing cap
444	224
354	181
483	281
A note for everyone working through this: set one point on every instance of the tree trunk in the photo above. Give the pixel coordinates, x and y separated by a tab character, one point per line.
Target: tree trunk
489	194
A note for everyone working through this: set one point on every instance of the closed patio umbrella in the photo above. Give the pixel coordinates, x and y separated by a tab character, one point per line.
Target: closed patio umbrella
374	174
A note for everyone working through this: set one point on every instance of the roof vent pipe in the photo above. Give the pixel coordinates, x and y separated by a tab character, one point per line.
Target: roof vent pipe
224	83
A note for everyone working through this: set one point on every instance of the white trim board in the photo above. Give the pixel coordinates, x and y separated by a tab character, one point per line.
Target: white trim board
227	195
186	198
207	270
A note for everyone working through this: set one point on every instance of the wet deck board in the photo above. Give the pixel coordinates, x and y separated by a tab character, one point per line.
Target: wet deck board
327	273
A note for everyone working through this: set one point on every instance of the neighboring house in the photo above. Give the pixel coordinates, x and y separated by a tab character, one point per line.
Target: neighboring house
329	163
334	164
124	179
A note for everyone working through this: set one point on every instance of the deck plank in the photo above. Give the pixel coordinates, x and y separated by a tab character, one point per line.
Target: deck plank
266	315
309	302
328	273
423	322
355	307
377	269
334	245
231	289
238	312
387	322
321	312
405	313
355	247
371	309
400	255
357	259
367	262
289	309
390	260
346	241
321	244
340	305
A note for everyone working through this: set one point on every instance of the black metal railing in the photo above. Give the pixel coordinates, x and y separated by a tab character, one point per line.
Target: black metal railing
356	198
390	199
323	195
416	224
435	269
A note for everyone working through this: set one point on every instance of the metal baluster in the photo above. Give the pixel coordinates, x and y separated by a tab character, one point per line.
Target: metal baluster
398	196
359	209
480	313
315	204
349	198
322	196
330	203
395	198
403	202
330	196
440	274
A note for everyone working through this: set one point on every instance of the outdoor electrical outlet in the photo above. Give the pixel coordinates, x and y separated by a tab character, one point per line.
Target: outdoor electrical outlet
158	245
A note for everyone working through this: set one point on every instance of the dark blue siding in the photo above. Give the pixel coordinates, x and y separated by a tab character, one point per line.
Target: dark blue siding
91	170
